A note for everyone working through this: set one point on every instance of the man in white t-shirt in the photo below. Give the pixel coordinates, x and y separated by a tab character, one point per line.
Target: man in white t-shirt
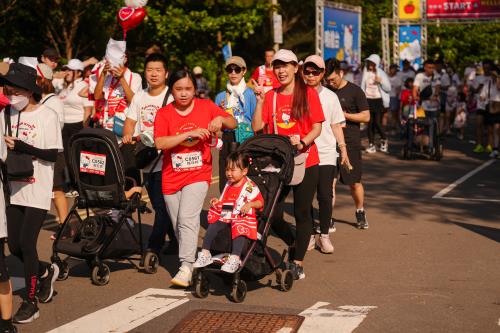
426	88
140	121
331	133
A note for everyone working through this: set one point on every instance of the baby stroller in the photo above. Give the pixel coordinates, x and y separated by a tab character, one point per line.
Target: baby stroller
111	233
416	125
271	168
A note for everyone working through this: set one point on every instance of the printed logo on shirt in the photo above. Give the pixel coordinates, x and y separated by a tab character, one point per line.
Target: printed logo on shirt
92	163
27	132
148	114
190	142
284	118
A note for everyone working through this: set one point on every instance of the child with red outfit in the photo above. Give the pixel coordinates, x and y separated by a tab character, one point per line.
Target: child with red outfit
237	205
184	130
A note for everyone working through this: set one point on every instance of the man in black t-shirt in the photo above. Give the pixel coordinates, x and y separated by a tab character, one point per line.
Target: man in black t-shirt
356	111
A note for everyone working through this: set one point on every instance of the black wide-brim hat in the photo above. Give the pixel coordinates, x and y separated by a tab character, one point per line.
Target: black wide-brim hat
21	76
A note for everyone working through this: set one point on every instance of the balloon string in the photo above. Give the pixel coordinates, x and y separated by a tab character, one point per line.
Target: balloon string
124	34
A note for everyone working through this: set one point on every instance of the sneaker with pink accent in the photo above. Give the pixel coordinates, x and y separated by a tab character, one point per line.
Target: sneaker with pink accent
312	243
325	244
231	265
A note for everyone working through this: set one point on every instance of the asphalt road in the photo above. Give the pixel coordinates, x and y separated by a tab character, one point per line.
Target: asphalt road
425	264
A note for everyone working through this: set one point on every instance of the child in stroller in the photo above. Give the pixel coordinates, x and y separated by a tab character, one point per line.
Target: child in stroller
237	205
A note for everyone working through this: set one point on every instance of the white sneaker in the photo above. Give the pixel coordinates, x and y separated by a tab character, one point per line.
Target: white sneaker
384	146
183	277
371	149
325	245
203	260
231	265
312	243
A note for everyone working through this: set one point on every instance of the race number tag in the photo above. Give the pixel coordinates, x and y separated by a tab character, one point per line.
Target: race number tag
92	163
227	211
187	161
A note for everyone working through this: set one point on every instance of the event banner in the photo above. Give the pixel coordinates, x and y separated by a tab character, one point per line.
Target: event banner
465	9
409	9
342	34
410	44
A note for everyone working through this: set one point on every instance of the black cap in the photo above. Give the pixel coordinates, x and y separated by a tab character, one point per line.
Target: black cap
21	76
51	53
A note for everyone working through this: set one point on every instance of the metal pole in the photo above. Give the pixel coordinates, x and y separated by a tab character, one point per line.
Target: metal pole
276	46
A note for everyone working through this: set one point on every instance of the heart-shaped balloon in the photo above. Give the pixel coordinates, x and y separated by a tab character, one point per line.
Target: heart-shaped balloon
129	18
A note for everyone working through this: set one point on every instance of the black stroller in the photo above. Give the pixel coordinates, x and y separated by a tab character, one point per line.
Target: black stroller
271	168
418	126
111	233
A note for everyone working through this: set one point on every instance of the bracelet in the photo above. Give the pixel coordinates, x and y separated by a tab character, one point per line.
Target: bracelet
303	143
342	145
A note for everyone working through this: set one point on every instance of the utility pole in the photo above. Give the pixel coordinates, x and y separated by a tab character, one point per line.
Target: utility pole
276	26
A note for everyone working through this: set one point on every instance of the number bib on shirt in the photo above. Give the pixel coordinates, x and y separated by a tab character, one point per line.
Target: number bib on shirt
227	211
187	161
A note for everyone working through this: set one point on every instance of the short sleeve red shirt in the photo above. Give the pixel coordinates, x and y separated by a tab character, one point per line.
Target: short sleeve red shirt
191	161
289	126
265	77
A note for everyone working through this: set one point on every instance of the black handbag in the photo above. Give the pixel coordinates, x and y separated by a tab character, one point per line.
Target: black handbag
19	165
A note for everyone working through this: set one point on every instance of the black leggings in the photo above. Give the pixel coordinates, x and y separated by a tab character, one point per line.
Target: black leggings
375	124
23	226
4	273
327	174
238	243
303	195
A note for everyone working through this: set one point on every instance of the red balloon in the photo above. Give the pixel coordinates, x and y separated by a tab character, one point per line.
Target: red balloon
129	17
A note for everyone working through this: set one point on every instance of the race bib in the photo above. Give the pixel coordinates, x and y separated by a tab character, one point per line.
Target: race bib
92	163
187	161
227	211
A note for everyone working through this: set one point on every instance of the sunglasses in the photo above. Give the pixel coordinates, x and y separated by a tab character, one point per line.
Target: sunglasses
314	72
236	69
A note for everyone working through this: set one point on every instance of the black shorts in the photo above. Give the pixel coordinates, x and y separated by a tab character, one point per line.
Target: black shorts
353	176
491	119
59	171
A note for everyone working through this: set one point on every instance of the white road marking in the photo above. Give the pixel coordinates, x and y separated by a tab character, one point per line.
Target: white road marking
344	319
468	199
462	179
128	313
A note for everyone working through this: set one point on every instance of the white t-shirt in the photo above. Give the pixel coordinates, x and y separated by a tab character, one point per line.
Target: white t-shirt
39	128
3	156
326	142
73	103
372	87
55	103
143	110
396	84
422	81
490	92
405	75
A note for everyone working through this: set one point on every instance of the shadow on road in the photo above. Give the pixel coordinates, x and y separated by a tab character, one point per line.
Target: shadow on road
488	232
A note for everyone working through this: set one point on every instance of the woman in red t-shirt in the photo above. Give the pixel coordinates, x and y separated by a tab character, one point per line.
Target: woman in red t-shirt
184	131
299	116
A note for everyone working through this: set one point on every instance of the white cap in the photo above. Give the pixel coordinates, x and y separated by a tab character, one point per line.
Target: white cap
44	71
197	70
285	56
317	60
74	65
28	61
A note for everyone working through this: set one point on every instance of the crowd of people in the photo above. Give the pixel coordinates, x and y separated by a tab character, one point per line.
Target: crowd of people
320	106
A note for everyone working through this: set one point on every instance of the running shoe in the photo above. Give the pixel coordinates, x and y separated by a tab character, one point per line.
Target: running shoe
325	244
27	312
203	260
332	226
478	149
494	153
384	146
297	271
8	328
362	223
231	265
371	149
489	149
46	288
312	243
183	277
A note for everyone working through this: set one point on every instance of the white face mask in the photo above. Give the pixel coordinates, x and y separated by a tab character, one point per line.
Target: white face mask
18	102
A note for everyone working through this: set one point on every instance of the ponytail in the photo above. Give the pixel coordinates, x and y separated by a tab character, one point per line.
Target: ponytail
300	105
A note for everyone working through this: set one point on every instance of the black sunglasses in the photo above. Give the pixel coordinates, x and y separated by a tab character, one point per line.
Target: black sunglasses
236	69
315	72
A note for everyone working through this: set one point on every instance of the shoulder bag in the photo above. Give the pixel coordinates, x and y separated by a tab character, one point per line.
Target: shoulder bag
19	165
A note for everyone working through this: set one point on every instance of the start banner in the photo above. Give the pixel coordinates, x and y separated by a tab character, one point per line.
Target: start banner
463	9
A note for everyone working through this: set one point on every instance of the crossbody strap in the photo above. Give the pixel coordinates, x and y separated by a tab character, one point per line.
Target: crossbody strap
8	129
275	126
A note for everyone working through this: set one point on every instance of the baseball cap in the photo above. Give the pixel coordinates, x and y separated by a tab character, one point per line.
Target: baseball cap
235	60
285	55
197	70
74	65
316	60
51	53
44	71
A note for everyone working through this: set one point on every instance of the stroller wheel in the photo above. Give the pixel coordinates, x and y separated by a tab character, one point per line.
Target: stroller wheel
201	286
239	291
286	280
151	262
100	275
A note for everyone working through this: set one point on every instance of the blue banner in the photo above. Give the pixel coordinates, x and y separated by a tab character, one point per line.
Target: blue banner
410	44
341	35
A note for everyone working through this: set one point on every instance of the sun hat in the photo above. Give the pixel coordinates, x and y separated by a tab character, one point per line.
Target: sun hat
197	70
235	60
45	71
74	65
285	55
21	76
316	60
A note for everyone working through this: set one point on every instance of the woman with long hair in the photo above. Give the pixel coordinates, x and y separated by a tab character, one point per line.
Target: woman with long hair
293	110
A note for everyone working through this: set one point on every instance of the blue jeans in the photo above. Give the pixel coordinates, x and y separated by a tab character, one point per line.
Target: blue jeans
162	224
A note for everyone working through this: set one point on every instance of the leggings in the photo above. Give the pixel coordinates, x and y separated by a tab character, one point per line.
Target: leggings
303	195
327	174
375	124
23	226
238	243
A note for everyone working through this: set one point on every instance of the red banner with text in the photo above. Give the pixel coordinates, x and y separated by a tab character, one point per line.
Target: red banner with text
465	9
